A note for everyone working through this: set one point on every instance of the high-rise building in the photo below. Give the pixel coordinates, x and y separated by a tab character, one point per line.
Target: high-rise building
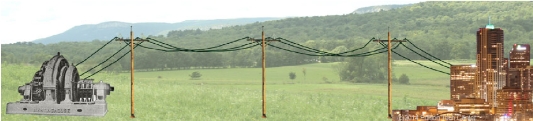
490	75
519	56
514	100
462	79
495	87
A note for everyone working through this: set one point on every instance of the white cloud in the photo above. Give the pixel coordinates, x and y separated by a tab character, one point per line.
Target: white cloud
27	20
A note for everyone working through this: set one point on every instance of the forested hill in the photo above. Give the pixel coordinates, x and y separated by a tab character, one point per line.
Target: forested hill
106	30
423	22
444	29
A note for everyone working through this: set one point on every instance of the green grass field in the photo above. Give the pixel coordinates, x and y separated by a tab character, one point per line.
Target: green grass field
235	94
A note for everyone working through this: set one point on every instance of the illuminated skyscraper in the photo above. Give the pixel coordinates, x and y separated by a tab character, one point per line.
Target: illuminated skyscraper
495	87
462	79
519	72
490	75
515	98
519	56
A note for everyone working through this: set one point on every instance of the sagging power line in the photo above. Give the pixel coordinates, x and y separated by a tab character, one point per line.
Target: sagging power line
165	47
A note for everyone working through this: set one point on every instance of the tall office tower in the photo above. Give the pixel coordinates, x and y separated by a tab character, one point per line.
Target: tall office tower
515	98
462	81
490	75
518	70
519	56
519	74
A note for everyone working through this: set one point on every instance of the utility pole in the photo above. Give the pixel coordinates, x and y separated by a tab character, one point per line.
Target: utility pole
389	68
132	66
263	57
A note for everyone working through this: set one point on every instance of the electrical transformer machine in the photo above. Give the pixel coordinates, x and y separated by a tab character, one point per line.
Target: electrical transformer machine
56	89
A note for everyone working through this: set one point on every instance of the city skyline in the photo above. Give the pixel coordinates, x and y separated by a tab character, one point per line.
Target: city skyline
495	87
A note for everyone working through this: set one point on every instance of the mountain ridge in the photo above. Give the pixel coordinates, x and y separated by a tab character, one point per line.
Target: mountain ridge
110	29
88	32
378	8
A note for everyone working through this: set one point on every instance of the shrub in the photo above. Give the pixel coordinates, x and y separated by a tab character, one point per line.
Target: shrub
404	79
195	75
292	75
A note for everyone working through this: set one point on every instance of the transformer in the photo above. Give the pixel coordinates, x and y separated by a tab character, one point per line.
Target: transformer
56	89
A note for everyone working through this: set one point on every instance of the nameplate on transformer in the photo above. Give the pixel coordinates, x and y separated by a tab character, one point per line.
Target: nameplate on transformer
52	110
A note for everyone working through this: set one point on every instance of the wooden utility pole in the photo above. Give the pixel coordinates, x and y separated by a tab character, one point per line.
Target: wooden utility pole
389	68
263	57
132	66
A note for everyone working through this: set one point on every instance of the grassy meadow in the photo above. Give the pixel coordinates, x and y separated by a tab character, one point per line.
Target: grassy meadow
235	94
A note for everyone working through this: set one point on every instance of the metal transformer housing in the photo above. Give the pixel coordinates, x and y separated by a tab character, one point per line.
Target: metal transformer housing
56	89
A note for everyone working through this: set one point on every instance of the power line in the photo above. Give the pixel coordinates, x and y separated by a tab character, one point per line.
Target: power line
104	60
417	62
423	56
96	51
177	48
304	47
369	53
319	51
170	48
408	41
250	45
115	60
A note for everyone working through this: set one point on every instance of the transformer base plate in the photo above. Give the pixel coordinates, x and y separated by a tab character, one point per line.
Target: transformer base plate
57	109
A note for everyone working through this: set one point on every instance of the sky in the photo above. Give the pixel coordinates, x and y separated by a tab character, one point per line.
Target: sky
28	20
